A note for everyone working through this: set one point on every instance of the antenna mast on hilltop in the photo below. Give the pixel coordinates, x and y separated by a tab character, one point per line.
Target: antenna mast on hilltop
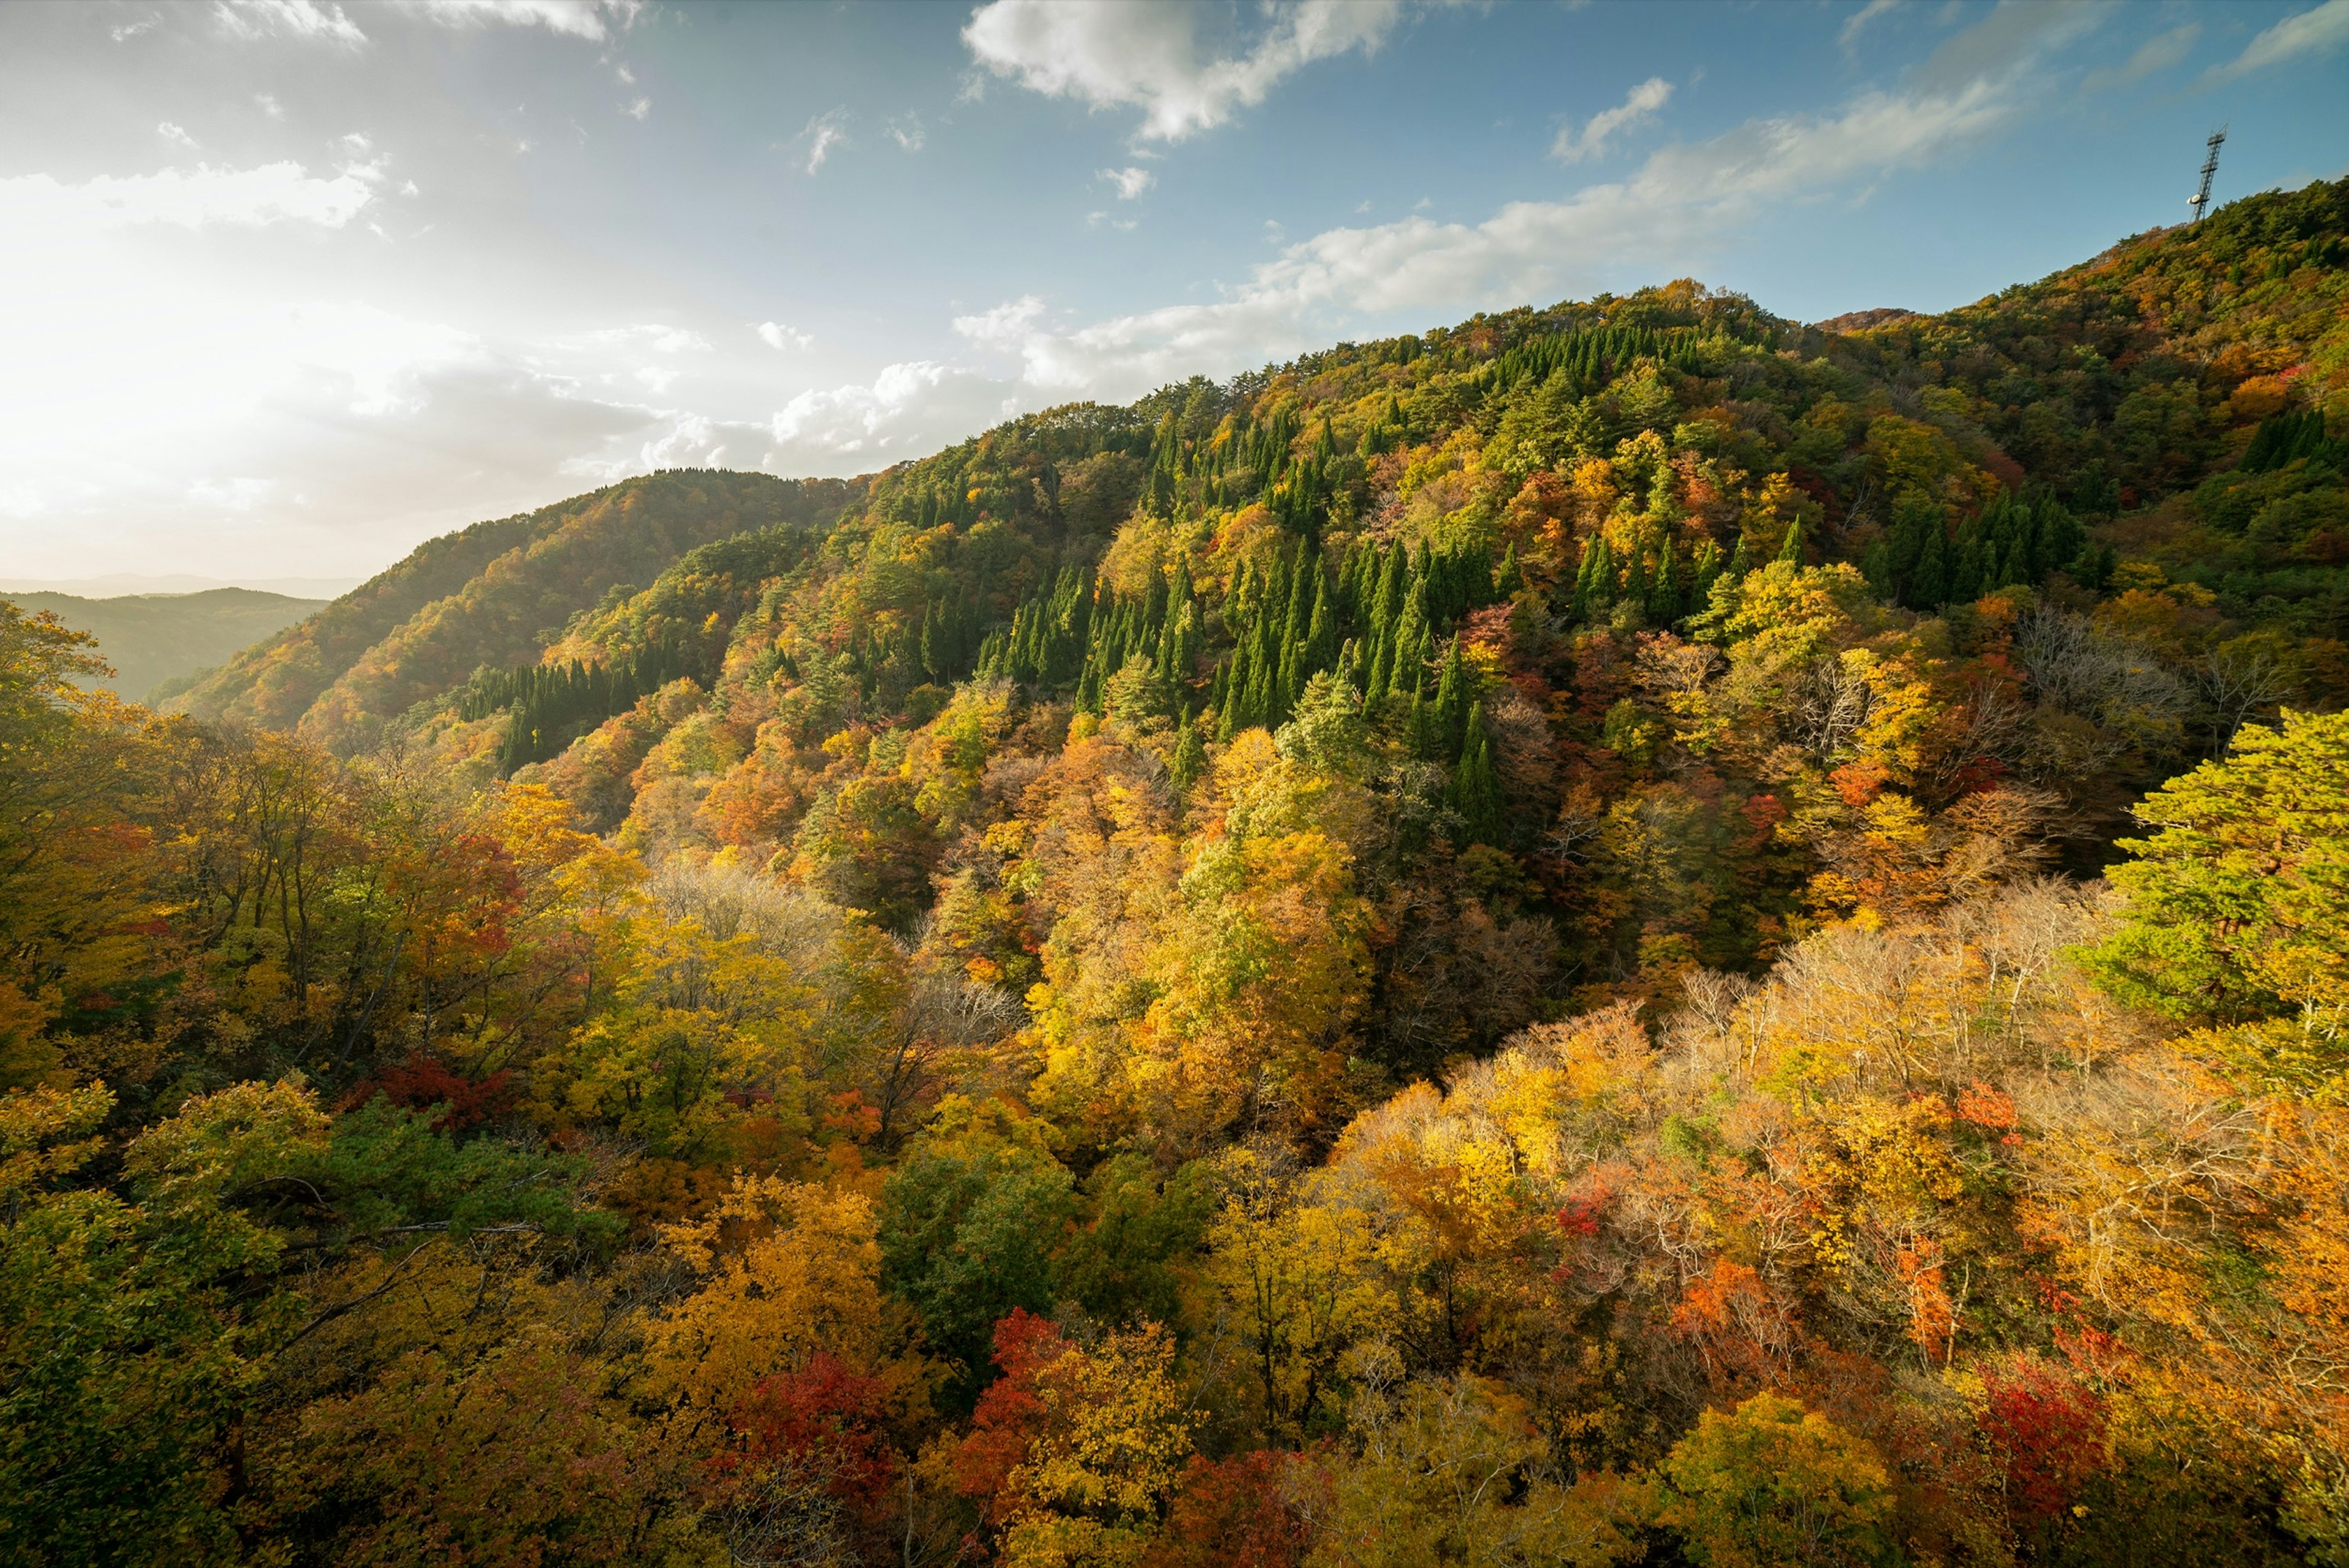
2210	168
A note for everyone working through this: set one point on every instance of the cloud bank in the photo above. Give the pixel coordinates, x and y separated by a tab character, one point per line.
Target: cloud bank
1147	54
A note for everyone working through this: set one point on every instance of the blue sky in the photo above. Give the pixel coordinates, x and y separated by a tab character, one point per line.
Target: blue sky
292	284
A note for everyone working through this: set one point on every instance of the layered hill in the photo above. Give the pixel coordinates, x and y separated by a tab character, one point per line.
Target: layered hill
2149	441
496	593
157	642
1168	983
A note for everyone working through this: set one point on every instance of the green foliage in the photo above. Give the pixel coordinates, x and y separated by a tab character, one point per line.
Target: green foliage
972	1221
1122	1267
1773	1484
1516	859
2237	910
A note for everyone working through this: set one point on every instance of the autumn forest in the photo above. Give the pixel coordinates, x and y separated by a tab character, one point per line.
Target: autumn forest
1632	933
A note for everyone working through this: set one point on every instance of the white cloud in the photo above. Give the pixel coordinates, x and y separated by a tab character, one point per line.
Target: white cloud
1130	183
823	133
578	18
268	104
637	109
170	132
124	31
2009	40
775	335
1858	19
272	193
909	409
1682	199
908	133
304	19
2157	53
1007	325
2311	34
1640	107
652	335
1146	54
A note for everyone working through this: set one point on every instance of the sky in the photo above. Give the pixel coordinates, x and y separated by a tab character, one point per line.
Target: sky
287	287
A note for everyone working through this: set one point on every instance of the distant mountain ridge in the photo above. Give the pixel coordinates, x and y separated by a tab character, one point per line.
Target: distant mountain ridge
126	584
157	642
495	592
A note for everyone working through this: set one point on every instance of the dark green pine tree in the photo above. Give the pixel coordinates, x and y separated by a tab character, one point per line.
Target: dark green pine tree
1929	587
1190	758
1475	793
1361	583
1394	582
1635	583
1791	551
1965	564
1740	559
1512	579
1452	704
1321	633
1404	674
932	651
1385	612
1586	582
2028	549
1231	705
1256	706
1704	574
1274	607
1419	729
1305	593
1663	604
2061	537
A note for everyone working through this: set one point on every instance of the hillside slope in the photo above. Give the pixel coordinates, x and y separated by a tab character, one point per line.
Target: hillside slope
154	639
1454	952
495	592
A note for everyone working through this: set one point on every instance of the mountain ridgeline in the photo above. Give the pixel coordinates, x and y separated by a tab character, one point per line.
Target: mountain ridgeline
2124	442
1625	932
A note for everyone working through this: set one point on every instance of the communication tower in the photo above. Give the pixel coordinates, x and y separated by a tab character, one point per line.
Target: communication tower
2210	168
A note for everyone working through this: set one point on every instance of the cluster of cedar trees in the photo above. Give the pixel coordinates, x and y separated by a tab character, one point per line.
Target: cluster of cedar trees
548	707
2013	542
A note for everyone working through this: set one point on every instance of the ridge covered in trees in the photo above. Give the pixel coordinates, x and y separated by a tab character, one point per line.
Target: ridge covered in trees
1625	932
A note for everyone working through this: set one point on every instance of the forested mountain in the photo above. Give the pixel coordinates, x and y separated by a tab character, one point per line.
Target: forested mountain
1624	932
158	644
488	592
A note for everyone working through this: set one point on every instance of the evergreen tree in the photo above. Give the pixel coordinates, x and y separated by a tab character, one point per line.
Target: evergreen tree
1966	573
1704	573
1420	728
1190	759
1929	588
1512	579
1586	581
1792	550
1475	792
1414	628
1663	604
1452	702
1740	559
